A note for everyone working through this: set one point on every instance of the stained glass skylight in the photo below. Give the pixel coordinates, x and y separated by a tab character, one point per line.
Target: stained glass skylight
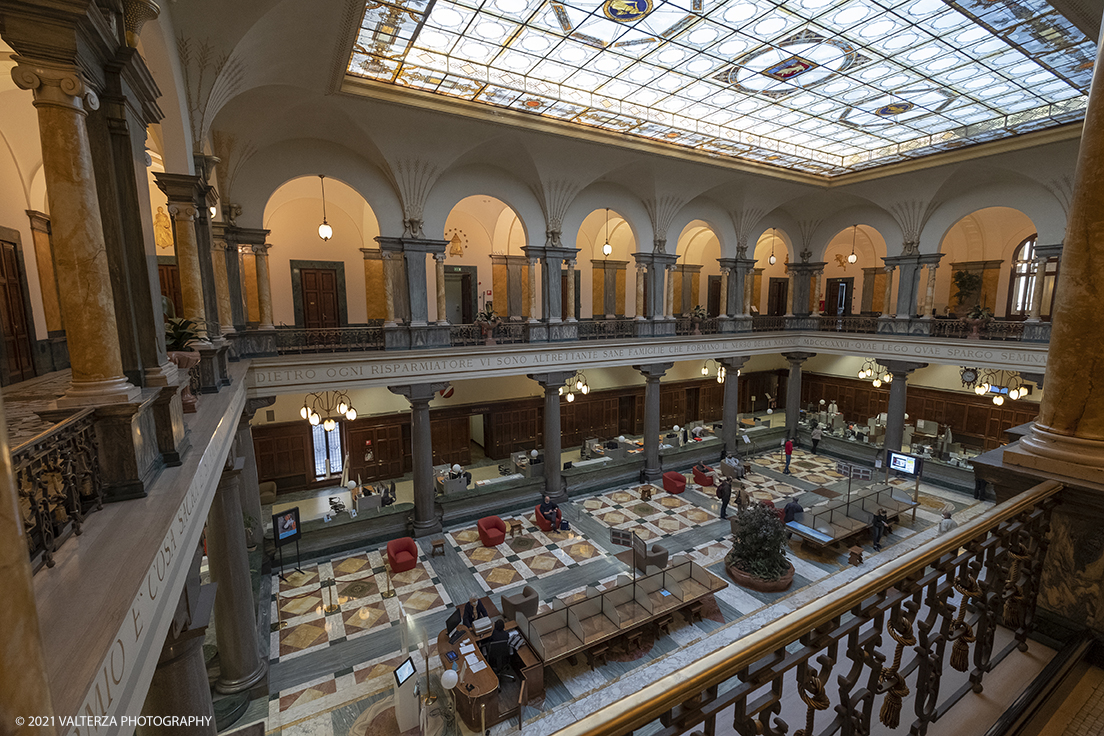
820	86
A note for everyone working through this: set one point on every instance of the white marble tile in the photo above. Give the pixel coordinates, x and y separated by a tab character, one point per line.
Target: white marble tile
734	596
318	726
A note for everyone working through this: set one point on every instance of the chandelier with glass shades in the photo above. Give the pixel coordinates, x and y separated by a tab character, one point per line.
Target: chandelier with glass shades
575	384
320	408
879	373
1000	385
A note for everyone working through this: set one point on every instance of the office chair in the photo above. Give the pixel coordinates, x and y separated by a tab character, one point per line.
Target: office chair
498	656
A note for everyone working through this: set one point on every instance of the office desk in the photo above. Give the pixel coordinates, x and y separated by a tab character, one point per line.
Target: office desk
470	704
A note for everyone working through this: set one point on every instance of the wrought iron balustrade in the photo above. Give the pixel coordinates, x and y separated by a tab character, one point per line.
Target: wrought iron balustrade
297	340
828	664
767	323
850	323
506	333
996	329
57	477
605	329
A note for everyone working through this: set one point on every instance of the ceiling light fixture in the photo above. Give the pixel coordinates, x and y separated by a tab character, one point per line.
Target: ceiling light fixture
607	248
772	260
324	230
853	258
319	409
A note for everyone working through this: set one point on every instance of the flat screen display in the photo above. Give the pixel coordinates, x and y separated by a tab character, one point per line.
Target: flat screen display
902	463
286	526
404	671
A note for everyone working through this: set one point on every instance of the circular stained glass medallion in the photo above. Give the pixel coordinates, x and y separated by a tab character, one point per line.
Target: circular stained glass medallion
627	11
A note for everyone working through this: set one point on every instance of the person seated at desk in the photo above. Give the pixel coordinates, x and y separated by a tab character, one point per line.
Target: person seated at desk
473	609
497	634
454	472
548	510
697	432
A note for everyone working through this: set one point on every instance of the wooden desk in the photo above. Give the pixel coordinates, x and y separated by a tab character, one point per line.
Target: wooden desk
484	684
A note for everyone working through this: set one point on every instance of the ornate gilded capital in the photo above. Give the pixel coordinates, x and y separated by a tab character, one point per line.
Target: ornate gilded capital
182	212
53	84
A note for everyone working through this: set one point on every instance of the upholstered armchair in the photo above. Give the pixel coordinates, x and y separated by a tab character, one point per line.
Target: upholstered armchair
492	531
526	603
402	554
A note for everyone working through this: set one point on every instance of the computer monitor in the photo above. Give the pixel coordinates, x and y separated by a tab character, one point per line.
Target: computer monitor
612	445
404	671
453	621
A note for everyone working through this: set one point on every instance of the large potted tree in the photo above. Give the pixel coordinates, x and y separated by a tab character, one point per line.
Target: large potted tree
758	560
967	288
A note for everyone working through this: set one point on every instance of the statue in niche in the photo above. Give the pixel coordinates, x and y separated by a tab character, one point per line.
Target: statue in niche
162	229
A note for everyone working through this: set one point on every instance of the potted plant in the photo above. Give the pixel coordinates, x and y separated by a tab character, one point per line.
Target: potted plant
758	557
697	316
250	528
488	321
180	333
968	287
977	318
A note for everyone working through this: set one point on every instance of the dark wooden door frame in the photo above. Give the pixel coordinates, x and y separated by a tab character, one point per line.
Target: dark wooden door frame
783	285
12	236
297	289
850	282
471	275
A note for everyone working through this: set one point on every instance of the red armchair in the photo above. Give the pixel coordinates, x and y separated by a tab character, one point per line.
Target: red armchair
492	530
674	482
780	513
543	523
402	554
703	479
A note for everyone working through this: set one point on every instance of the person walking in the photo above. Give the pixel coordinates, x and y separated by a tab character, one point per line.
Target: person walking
947	523
879	525
789	454
816	435
724	492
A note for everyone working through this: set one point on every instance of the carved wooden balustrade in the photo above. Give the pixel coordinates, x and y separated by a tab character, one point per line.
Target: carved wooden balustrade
57	475
877	647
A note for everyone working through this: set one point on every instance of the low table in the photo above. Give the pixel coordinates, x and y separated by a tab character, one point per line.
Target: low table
516	525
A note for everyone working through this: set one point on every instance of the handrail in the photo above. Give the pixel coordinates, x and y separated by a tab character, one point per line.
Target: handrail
659	697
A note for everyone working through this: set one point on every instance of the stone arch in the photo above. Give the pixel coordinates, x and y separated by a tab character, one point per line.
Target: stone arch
599	196
457	184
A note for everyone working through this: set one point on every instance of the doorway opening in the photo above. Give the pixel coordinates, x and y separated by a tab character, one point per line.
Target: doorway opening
777	292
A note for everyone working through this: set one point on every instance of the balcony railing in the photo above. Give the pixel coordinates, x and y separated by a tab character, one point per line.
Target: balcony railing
295	340
849	323
506	333
767	323
993	330
57	475
831	662
606	329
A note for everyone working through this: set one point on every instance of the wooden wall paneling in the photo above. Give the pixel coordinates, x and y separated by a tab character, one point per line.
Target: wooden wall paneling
451	440
284	454
383	457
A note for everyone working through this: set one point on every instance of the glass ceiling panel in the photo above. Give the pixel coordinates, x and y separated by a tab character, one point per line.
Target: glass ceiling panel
821	86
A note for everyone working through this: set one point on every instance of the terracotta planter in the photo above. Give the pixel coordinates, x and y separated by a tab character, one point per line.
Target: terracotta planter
976	325
488	329
185	360
758	584
695	323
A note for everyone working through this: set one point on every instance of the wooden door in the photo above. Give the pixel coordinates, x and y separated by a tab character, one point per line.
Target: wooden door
837	297
169	276
776	296
692	412
467	299
626	415
18	355
319	290
714	300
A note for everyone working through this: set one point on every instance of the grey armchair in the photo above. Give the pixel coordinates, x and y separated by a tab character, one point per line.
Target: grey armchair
526	602
656	557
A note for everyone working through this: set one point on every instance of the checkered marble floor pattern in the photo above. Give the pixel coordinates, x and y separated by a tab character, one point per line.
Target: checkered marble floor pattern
22	400
355	585
665	514
530	554
804	465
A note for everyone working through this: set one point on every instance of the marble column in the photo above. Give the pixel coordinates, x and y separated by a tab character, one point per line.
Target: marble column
240	663
669	301
929	297
722	308
87	304
730	412
180	189
790	287
652	373
749	287
793	391
222	286
570	316
264	286
922	297
249	487
1036	310
887	301
895	412
419	395
179	686
641	275
389	288
816	292
47	276
552	383
532	264
24	687
439	272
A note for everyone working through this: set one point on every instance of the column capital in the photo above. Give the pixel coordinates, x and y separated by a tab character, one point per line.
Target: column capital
182	189
418	393
439	257
372	254
552	380
40	221
654	371
183	212
260	249
56	84
798	358
734	362
901	367
252	406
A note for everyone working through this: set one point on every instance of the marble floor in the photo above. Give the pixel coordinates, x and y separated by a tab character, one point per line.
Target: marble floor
22	400
331	667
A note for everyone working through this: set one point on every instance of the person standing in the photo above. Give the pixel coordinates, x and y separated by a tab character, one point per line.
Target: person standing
789	454
947	523
724	492
816	435
979	488
879	525
742	496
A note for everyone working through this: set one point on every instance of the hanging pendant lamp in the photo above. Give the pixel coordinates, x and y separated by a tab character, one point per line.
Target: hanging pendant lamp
324	230
607	248
772	260
853	258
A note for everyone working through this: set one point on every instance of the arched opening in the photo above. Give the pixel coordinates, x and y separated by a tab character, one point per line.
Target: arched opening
770	284
977	268
318	283
485	266
698	249
1023	281
854	274
606	240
